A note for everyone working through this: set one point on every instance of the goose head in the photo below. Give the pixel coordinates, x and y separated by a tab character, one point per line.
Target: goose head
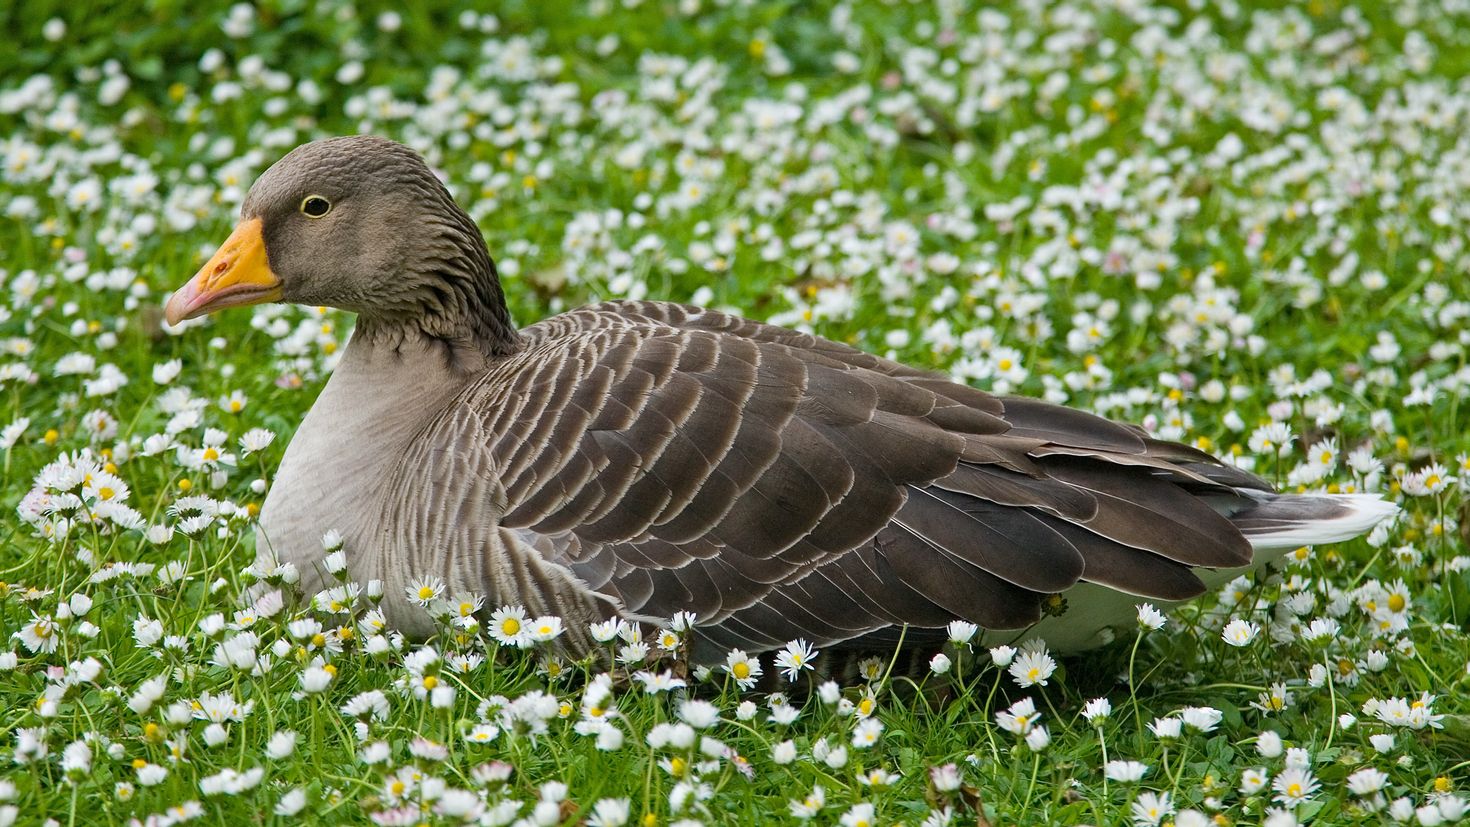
362	224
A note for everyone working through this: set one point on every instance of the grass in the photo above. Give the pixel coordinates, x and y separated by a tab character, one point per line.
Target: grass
1233	225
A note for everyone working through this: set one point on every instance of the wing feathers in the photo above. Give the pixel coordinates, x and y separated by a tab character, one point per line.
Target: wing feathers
780	485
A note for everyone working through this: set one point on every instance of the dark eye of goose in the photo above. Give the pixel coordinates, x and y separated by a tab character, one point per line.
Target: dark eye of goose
315	206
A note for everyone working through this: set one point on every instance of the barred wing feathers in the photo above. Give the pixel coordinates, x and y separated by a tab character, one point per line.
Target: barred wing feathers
665	458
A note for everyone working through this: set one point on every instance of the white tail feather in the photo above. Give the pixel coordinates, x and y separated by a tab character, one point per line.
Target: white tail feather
1360	513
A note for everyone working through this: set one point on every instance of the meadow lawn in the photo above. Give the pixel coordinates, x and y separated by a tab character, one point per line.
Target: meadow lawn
1242	226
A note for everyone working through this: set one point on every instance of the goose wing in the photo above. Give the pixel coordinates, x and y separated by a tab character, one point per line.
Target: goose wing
779	485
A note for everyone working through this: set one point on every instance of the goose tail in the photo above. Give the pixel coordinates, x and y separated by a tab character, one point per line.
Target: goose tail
1286	521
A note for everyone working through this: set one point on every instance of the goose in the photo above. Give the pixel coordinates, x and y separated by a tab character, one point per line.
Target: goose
637	459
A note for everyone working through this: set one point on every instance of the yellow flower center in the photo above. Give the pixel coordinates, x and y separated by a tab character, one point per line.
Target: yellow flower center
425	592
510	627
1396	603
210	454
741	670
430	681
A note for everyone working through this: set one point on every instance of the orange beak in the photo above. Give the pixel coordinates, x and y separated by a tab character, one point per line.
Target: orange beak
237	274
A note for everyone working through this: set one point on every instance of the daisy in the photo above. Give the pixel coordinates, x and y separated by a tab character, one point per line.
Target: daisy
425	590
945	778
1126	772
809	806
699	714
605	631
166	372
797	656
1253	781
509	628
609	812
961	632
293	801
1240	632
1020	718
1164	728
316	679
1002	656
866	733
1202	718
40	635
1150	618
1097	710
482	734
546	628
1032	668
1367	781
1150	809
660	682
256	439
1321	630
150	775
1294	785
745	669
1268	744
281	745
633	653
859	815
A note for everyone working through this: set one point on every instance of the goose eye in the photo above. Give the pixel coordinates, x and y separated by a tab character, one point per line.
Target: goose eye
315	206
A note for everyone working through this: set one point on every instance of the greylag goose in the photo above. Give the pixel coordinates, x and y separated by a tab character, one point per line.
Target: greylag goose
639	459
